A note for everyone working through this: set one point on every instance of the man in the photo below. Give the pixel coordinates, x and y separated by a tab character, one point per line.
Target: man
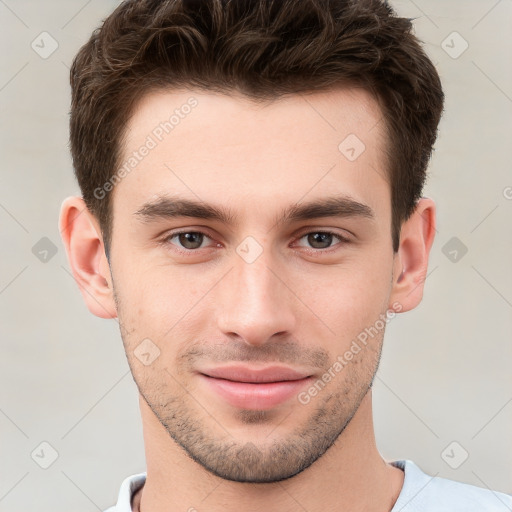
252	214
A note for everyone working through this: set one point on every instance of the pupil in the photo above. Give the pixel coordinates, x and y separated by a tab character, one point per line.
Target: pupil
320	240
191	240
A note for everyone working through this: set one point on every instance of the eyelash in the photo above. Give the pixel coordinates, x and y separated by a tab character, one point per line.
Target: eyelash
342	241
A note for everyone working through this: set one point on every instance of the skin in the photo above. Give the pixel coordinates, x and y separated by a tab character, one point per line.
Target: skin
296	304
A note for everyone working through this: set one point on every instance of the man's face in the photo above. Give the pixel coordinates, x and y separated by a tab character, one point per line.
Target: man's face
239	254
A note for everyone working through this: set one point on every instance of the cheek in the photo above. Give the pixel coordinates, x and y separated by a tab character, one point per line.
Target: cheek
162	303
348	299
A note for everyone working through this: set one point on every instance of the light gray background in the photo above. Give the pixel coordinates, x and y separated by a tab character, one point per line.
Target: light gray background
445	374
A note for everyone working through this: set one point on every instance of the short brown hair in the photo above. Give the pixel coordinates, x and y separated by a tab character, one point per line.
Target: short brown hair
264	49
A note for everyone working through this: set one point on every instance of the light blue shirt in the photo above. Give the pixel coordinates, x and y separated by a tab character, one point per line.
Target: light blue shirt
420	493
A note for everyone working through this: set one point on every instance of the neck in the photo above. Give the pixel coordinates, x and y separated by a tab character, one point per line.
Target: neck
350	476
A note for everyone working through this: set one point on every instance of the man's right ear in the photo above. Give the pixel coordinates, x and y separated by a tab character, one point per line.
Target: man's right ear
83	241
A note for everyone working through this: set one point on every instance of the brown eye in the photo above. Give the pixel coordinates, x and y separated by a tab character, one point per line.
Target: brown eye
320	240
191	240
188	240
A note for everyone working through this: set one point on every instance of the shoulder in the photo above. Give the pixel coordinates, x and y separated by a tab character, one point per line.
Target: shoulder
129	487
425	493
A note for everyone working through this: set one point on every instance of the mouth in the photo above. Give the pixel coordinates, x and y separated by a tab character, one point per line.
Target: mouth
254	389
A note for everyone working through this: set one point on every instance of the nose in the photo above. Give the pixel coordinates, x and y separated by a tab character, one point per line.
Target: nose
255	304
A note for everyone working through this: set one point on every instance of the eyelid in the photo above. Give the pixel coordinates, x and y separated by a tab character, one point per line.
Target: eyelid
165	239
346	236
343	240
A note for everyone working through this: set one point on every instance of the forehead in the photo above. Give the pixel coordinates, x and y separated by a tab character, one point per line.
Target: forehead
334	110
228	148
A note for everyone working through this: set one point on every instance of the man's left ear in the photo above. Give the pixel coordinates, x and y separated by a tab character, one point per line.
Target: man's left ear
411	260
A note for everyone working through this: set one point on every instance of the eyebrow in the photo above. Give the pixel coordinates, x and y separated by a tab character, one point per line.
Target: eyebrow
166	207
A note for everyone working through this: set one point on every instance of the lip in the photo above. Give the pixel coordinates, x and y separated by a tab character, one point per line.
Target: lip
255	375
255	389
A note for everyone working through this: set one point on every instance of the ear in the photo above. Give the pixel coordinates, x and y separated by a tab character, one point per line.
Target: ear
411	260
83	241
